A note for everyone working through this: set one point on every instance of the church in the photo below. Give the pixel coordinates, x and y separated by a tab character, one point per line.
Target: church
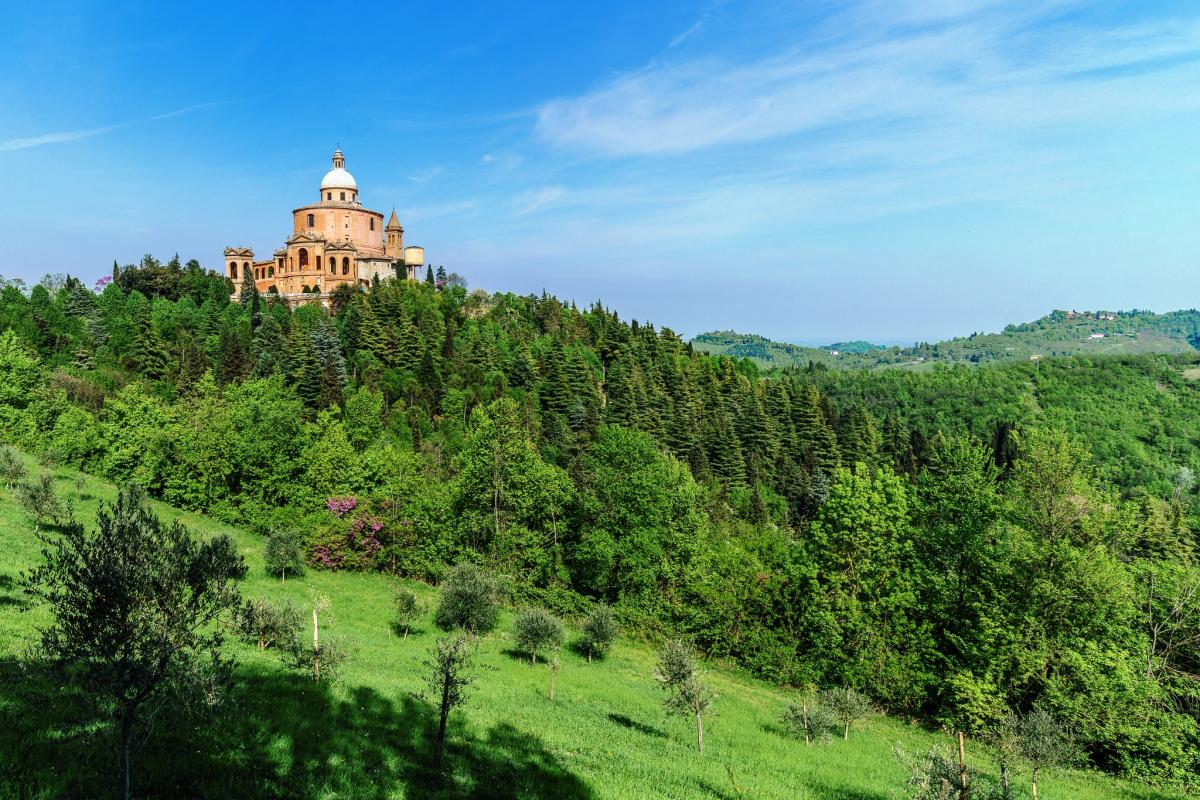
334	241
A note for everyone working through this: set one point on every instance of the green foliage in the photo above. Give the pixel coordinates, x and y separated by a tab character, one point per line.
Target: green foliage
283	554
39	499
536	630
682	679
12	468
469	600
600	631
408	609
809	720
134	605
847	706
449	674
269	625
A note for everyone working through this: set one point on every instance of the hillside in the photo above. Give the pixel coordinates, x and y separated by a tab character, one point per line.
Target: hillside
1060	333
279	735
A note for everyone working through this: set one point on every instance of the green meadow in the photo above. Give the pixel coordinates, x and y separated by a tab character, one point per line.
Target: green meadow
367	735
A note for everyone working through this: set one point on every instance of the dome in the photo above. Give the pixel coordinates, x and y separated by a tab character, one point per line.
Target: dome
338	178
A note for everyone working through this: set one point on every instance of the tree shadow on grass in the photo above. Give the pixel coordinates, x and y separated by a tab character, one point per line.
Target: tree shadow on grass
11	593
278	735
634	725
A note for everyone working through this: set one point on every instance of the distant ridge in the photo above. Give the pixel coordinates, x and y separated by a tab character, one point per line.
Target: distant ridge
1059	333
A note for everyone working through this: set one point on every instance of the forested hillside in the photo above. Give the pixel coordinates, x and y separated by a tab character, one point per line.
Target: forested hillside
1060	333
957	543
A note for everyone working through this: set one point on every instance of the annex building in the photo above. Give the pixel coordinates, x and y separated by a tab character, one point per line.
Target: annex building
334	241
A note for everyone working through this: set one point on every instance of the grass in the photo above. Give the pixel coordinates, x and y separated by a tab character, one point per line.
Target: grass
279	735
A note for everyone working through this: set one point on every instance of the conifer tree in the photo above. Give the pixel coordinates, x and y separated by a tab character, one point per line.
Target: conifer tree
268	350
429	274
147	354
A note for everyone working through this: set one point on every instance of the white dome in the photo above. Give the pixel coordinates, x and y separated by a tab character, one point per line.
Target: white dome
338	178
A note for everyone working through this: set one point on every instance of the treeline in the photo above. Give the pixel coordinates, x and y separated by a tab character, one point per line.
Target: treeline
945	542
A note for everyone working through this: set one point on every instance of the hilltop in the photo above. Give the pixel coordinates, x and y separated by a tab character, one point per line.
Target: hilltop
1060	333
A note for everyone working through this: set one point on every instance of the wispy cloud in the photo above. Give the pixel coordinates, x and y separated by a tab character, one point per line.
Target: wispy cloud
59	137
539	199
952	69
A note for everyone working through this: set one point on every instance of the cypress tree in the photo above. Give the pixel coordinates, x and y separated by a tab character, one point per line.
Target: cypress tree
429	274
147	354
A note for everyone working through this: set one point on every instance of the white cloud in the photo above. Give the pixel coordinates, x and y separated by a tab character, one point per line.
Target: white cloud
528	202
995	71
59	137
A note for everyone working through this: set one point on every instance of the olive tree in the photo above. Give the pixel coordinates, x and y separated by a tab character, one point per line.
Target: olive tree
600	630
1044	742
449	673
38	498
847	706
469	600
12	468
135	606
809	719
408	609
687	693
283	554
269	625
535	630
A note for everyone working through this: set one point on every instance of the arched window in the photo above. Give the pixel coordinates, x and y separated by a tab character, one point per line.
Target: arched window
333	264
312	221
372	223
318	262
303	257
270	272
245	267
281	263
233	270
345	265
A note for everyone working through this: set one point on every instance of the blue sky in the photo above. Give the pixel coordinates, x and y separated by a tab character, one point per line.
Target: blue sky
808	171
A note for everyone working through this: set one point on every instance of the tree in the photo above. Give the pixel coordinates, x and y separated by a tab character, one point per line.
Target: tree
688	695
449	673
408	609
469	600
282	554
12	468
134	607
1045	742
269	625
429	274
600	630
535	630
809	719
847	706
39	500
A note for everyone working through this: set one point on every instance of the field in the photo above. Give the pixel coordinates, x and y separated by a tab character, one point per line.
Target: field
280	735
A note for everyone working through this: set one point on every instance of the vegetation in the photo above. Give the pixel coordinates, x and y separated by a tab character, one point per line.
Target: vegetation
283	554
408	609
278	734
133	608
954	544
449	676
687	692
600	631
535	630
468	600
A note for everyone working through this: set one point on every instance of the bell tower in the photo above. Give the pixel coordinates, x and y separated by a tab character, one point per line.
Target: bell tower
393	246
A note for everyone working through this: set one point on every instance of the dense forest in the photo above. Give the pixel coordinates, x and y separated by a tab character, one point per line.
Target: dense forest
956	543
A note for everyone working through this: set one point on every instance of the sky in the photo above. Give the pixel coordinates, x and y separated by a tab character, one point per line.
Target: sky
812	171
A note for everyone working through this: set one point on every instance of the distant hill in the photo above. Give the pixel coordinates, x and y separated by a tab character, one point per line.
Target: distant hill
1059	333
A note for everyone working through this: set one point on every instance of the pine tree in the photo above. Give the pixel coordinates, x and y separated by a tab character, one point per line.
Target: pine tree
147	354
232	359
429	274
249	298
268	347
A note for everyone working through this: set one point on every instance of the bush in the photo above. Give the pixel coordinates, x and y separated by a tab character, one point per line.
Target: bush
12	468
469	600
38	498
536	629
269	625
408	609
283	554
600	630
847	706
808	719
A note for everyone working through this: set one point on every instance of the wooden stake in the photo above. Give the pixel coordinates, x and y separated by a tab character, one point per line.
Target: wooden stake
962	767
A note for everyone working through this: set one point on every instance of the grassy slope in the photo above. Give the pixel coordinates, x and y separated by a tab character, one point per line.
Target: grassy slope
605	737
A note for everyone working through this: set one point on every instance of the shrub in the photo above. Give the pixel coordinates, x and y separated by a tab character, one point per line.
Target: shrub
536	629
688	694
469	600
847	706
283	554
269	625
808	719
408	609
12	468
39	500
600	630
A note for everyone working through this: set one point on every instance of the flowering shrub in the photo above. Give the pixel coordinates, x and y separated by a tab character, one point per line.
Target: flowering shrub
341	506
